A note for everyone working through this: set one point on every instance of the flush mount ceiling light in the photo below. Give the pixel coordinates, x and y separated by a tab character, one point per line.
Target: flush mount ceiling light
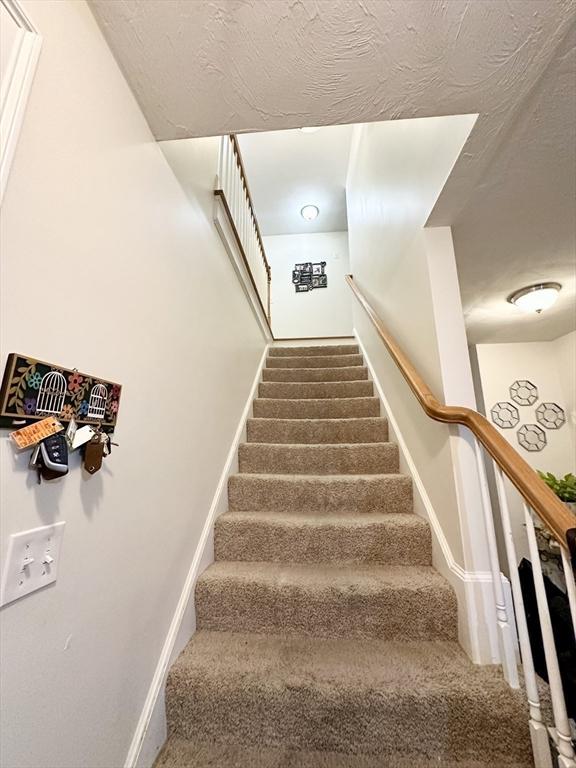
310	129
535	298
309	212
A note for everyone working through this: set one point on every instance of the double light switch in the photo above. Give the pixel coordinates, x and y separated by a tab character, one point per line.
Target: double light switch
32	561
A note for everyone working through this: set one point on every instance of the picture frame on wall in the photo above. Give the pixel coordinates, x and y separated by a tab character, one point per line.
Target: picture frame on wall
308	276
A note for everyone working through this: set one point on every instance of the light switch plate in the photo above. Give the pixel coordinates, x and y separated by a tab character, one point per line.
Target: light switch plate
32	561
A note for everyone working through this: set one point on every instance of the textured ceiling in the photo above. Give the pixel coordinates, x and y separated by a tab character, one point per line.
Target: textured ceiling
290	169
519	225
217	66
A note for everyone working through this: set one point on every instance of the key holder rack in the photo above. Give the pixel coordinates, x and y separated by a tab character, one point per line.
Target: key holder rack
33	389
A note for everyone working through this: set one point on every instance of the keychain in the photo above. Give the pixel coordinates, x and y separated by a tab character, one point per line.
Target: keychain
93	453
97	448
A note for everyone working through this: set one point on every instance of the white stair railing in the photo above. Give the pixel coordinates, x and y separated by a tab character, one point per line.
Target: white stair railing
232	186
538	730
540	502
559	730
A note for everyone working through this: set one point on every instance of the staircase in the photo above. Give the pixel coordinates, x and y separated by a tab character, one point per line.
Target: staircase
325	638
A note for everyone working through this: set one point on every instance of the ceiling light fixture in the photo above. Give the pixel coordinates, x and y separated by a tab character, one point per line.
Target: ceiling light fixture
309	212
535	298
310	129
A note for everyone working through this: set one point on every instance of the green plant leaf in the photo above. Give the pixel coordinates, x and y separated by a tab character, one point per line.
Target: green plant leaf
564	488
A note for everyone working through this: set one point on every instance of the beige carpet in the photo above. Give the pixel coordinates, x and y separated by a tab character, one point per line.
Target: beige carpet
199	754
325	639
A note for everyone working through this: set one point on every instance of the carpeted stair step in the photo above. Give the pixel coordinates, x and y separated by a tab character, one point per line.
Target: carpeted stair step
411	701
339	537
325	637
314	361
322	351
325	408
325	493
326	600
182	753
295	390
322	459
361	430
351	373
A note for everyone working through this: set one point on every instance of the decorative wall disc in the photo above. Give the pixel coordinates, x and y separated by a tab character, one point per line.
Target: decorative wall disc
550	415
524	392
505	415
531	437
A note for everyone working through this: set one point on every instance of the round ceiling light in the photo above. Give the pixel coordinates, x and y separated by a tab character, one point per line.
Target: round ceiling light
535	298
309	212
310	129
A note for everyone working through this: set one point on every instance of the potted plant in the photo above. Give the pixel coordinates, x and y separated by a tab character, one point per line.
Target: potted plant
548	547
563	487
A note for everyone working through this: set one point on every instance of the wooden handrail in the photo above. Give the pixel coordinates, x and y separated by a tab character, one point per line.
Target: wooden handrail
534	491
236	148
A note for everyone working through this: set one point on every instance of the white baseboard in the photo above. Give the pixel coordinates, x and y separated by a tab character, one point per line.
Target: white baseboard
476	631
150	732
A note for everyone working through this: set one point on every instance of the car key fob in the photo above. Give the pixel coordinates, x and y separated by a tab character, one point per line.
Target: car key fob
53	457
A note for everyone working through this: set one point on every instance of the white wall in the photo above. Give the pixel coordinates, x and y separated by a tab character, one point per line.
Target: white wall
397	170
550	366
408	273
290	169
323	311
106	265
194	162
565	353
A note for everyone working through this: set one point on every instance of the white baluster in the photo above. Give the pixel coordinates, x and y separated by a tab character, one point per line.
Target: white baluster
222	168
227	165
238	214
230	165
233	180
240	223
538	730
233	191
570	587
253	248
247	220
566	757
221	152
505	630
256	249
241	215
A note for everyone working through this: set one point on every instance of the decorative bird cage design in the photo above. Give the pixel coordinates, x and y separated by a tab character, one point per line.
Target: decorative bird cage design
51	394
97	402
32	389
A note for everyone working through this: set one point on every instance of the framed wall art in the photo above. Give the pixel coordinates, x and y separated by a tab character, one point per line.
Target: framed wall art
308	276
